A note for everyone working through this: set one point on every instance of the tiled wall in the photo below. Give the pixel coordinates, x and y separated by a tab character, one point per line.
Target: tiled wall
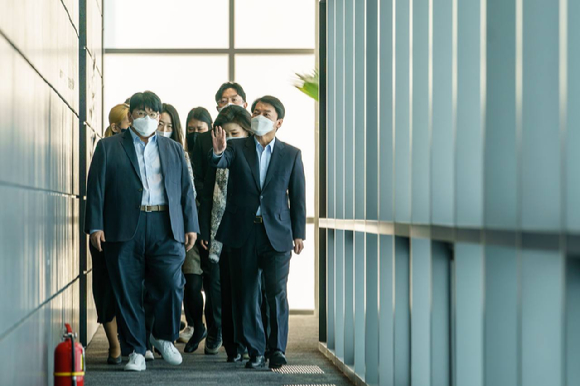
451	224
39	183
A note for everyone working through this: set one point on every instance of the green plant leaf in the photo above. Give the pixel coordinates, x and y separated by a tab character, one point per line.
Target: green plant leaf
308	84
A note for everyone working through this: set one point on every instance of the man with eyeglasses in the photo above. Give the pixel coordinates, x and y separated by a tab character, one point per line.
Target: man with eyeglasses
229	93
141	212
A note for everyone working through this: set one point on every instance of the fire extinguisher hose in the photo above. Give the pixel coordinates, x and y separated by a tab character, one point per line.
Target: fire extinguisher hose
74	353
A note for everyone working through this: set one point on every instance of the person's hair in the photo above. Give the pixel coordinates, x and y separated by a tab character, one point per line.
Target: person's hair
146	99
274	102
116	116
128	101
177	134
236	86
234	114
201	114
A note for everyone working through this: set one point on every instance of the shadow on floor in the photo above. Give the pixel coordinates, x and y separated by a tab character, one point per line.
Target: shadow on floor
199	369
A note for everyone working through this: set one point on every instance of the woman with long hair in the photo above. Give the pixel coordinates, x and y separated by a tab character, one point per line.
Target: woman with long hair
102	290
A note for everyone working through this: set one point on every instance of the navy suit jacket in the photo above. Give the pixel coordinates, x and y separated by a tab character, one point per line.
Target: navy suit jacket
114	189
283	197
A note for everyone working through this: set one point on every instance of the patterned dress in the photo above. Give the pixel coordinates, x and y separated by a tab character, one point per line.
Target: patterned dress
220	192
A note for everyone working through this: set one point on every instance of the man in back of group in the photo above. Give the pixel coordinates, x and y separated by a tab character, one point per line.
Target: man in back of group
141	211
229	93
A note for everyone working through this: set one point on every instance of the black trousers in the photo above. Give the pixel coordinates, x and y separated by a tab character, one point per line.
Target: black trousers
102	290
152	257
193	301
255	257
231	322
232	332
213	296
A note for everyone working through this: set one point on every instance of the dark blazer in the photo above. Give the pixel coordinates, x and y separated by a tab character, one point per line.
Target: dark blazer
206	195
204	181
199	159
114	189
282	197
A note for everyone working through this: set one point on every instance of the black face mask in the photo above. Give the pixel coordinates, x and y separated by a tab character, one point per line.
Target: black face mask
191	139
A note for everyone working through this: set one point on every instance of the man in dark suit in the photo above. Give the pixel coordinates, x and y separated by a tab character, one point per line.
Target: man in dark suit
264	220
140	201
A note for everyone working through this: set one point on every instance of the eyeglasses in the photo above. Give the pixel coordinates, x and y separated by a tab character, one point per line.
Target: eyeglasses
143	114
235	100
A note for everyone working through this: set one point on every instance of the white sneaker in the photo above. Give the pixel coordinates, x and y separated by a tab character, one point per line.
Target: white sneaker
149	356
185	335
167	350
136	362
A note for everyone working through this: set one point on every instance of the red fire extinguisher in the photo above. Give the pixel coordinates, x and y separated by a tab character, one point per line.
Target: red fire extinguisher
69	364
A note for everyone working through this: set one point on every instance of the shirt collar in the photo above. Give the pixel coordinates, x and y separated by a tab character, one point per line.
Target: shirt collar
136	138
270	145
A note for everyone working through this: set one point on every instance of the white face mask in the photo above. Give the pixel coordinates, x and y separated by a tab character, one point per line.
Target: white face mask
221	108
261	125
145	126
166	134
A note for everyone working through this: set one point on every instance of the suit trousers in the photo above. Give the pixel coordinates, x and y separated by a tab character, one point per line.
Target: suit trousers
231	323
213	297
102	290
255	257
153	258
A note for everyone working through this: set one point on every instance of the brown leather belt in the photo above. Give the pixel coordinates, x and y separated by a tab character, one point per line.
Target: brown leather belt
258	220
154	208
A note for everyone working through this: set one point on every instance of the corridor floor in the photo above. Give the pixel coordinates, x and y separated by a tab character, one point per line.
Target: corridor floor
199	369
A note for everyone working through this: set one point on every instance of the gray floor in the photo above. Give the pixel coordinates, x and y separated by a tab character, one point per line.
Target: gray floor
200	369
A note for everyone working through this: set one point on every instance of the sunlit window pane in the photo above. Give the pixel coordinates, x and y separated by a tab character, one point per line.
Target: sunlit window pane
166	24
275	23
183	81
301	279
274	75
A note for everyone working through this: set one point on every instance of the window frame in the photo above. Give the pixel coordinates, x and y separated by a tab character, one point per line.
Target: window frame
232	52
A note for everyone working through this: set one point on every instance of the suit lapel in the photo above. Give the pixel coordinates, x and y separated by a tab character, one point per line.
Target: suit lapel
130	150
274	161
252	159
162	148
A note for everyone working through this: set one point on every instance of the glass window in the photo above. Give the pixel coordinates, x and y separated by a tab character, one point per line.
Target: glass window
167	24
301	278
188	80
185	81
274	75
275	23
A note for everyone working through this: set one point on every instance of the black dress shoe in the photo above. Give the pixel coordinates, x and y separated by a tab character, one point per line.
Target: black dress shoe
236	359
114	361
256	362
199	334
277	359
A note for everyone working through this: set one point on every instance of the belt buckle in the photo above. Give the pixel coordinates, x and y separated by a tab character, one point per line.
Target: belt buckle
258	220
148	209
